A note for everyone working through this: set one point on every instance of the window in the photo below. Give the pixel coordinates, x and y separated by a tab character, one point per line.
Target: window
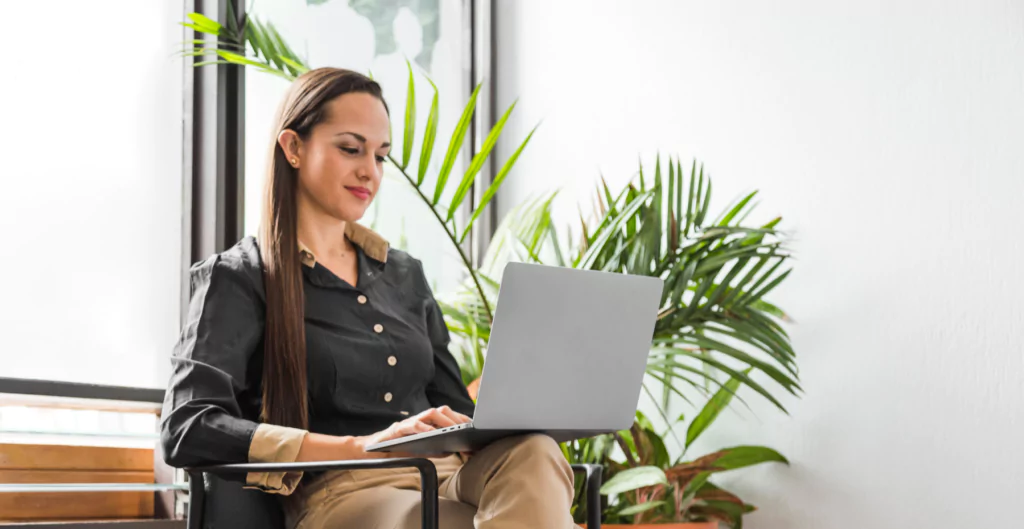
377	38
92	200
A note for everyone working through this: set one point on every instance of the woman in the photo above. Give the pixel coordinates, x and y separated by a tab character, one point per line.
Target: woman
316	340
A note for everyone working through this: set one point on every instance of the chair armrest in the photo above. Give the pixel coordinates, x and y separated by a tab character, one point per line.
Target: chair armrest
428	478
592	489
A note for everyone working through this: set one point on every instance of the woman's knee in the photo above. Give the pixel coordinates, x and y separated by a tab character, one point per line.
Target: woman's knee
535	443
539	449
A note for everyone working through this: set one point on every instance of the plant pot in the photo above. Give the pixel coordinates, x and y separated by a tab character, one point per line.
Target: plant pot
689	525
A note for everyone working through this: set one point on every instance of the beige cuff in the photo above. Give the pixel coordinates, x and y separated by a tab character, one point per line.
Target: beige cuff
275	444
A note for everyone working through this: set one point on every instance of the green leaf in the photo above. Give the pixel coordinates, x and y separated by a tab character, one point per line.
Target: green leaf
286	51
723	288
738	289
643	421
204	23
653	373
298	67
710	412
197	28
706	202
410	118
604	235
707	343
691	197
745	456
208	63
739	207
260	42
632	479
640	163
768	288
683	282
749	382
478	162
642	507
235	58
428	138
748	296
201	43
458	136
702	288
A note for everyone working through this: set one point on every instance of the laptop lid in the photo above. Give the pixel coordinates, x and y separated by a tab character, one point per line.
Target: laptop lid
568	349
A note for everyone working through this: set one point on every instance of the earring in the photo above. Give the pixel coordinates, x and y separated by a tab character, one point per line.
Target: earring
295	161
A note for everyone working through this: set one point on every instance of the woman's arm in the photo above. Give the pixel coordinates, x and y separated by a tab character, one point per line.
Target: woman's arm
446	388
202	421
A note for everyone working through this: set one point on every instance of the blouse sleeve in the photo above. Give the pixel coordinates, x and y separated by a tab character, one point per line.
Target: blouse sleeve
447	387
202	420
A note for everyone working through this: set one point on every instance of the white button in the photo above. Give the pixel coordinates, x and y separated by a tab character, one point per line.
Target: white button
404	412
392	360
361	299
378	328
387	397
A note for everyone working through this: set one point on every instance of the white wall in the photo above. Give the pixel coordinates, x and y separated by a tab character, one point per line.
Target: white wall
890	135
91	201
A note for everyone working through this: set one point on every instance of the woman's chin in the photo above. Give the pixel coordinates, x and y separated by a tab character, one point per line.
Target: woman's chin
351	213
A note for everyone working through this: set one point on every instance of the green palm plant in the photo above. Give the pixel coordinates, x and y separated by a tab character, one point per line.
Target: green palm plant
714	319
248	42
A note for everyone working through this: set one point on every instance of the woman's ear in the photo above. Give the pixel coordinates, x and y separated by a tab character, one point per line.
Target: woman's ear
291	144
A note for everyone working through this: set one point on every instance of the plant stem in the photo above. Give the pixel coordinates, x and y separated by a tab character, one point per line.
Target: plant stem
451	236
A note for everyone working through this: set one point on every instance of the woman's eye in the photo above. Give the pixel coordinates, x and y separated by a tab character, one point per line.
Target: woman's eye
380	159
350	150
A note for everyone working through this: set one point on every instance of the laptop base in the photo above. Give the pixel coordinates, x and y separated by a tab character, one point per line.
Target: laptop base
467	440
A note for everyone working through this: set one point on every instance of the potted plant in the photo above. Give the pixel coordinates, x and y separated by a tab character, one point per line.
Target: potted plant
646	486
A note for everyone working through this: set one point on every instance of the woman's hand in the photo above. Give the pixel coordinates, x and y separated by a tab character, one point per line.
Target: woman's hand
442	417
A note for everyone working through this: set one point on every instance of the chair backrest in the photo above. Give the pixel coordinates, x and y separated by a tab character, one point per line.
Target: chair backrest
229	506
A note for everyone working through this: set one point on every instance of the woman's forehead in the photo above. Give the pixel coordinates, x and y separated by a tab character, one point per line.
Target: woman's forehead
358	113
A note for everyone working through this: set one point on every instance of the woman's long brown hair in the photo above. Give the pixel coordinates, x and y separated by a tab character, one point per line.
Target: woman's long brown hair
285	398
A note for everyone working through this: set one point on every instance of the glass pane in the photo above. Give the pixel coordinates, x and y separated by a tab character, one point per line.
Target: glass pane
374	37
78	427
92	198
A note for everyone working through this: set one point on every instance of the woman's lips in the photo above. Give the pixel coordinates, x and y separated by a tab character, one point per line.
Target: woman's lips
360	192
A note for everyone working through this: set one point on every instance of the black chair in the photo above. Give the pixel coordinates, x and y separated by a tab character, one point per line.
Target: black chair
219	503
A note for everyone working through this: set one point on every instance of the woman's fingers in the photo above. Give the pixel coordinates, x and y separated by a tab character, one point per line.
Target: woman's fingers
436	418
455	416
412	427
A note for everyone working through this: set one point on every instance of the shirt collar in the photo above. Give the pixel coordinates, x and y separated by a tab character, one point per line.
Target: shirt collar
373	245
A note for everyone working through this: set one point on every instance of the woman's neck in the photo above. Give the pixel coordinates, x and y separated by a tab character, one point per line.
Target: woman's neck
323	234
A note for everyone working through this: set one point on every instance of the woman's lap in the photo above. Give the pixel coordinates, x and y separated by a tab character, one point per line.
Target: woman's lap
378	498
384	507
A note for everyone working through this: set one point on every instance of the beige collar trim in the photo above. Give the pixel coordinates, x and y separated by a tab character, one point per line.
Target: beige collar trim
373	245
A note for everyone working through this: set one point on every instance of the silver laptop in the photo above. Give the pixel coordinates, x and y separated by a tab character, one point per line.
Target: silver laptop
566	357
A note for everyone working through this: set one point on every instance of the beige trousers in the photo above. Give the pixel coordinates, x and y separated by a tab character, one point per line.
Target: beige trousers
515	483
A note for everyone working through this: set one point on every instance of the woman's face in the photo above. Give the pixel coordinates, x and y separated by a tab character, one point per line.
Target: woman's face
341	163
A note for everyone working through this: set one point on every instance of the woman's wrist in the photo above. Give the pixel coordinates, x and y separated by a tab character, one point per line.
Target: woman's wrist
320	447
353	447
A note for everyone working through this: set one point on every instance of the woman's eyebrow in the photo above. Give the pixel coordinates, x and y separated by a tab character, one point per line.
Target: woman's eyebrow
361	138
